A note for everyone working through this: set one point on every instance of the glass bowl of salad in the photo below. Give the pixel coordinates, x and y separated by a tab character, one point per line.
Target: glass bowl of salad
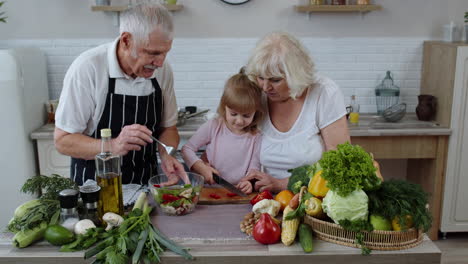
179	198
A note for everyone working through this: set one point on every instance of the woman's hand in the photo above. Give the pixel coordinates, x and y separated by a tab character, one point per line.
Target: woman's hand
245	187
266	181
204	169
174	171
132	137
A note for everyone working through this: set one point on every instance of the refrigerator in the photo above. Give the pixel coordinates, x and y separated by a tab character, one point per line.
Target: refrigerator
23	94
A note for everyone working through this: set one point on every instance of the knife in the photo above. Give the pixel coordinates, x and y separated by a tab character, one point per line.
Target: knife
227	185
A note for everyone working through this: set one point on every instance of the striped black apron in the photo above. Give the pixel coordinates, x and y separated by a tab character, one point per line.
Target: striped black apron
121	110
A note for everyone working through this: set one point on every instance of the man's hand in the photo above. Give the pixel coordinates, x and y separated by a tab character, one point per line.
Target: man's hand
132	137
174	171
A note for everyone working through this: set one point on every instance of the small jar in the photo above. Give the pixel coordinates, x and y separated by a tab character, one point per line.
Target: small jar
69	208
90	196
363	2
338	2
316	2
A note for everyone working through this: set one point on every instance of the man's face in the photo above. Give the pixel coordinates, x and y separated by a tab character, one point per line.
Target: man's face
149	56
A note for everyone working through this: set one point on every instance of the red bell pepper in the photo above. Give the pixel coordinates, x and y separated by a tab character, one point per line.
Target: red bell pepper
231	194
263	195
167	198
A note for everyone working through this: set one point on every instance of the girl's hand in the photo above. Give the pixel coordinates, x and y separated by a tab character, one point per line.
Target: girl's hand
205	170
266	181
245	187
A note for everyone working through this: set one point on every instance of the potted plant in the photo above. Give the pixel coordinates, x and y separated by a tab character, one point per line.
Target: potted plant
2	18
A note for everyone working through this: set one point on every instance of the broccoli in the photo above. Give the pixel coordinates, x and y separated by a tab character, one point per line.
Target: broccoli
300	176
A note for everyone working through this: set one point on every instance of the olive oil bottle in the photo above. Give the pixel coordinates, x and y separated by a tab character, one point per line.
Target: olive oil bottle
108	177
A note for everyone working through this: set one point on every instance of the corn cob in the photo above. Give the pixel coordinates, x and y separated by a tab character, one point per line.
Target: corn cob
288	228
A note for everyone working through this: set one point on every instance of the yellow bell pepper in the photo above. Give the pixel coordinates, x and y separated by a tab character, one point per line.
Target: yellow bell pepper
318	185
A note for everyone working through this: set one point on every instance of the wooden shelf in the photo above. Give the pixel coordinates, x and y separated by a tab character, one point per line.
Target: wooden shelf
337	8
123	8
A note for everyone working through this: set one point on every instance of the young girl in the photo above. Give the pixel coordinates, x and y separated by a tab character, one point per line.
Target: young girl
232	139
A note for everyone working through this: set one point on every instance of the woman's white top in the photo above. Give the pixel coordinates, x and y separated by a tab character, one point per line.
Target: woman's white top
302	144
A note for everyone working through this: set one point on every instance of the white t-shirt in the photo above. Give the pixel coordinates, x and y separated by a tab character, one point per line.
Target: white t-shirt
302	144
86	83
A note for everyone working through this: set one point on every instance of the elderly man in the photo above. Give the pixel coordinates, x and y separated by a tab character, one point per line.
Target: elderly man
127	86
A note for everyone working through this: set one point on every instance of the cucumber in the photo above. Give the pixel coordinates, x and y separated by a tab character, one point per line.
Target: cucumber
305	237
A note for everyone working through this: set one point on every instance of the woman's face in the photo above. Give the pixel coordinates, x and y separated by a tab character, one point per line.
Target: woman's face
275	88
236	121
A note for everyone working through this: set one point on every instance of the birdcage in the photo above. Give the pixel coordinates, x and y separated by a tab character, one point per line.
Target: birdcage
387	93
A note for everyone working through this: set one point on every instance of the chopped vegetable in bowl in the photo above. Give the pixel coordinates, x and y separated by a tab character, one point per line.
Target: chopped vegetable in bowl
179	199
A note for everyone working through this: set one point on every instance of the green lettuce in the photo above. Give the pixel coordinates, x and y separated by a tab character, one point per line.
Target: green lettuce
349	168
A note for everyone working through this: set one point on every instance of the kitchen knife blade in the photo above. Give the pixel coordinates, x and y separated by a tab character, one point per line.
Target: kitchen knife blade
227	185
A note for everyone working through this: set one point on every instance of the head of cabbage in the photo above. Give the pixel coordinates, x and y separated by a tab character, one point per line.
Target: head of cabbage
351	207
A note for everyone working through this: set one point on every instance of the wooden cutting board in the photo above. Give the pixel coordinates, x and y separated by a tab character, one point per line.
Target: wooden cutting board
223	197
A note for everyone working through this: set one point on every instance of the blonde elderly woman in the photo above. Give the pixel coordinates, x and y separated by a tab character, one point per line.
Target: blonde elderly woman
306	111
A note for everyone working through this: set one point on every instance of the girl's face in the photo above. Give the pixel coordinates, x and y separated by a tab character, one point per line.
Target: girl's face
236	121
275	88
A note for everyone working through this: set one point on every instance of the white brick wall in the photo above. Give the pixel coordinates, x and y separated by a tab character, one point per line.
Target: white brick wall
201	66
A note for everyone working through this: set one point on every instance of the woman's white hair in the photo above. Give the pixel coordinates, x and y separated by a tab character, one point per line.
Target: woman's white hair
280	54
143	18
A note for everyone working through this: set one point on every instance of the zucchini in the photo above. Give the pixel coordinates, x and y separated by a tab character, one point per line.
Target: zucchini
305	237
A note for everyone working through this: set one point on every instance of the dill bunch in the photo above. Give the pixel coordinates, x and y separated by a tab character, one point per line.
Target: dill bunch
398	198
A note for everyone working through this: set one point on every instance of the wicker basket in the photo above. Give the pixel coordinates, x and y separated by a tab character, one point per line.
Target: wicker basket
378	239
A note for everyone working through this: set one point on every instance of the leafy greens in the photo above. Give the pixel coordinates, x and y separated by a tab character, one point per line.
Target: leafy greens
349	168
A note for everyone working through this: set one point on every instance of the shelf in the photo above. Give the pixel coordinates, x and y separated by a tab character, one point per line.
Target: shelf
337	8
123	8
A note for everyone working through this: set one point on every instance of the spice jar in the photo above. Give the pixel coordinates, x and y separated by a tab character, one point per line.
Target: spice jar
90	196
316	2
68	213
338	2
363	2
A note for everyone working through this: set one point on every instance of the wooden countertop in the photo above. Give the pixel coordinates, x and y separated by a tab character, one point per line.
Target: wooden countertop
234	248
369	125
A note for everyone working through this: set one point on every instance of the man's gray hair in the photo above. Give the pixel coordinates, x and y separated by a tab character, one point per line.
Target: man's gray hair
144	17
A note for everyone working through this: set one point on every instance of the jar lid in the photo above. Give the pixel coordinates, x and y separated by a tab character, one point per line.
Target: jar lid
106	132
90	193
68	198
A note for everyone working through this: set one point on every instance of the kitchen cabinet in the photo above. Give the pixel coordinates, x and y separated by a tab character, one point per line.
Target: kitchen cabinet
445	75
50	160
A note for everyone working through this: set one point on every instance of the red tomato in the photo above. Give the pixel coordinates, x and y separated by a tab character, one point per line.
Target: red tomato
266	231
214	196
263	195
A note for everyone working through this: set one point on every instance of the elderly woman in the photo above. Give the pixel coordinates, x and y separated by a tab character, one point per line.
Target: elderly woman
306	111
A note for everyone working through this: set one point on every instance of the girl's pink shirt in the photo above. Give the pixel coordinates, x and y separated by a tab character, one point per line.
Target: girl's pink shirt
231	154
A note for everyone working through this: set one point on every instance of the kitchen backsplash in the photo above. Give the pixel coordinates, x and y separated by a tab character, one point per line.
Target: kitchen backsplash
201	66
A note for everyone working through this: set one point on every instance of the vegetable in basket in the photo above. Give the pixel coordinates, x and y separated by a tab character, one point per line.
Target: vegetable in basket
349	168
351	207
300	176
400	200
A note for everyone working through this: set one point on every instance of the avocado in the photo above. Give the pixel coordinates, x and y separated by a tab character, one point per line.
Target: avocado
58	235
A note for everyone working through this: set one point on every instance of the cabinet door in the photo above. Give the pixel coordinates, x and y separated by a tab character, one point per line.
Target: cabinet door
50	160
455	204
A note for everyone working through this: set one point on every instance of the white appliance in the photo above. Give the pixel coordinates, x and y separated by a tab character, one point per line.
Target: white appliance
23	93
